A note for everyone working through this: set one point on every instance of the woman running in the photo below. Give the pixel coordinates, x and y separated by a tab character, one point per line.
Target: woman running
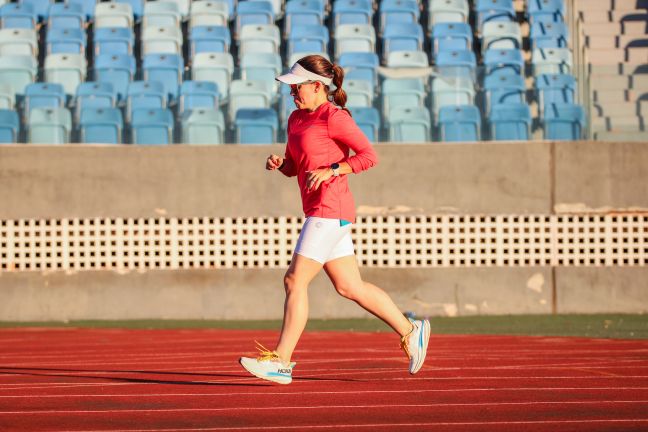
320	135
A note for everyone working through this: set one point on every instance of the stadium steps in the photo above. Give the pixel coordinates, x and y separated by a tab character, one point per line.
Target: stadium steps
616	41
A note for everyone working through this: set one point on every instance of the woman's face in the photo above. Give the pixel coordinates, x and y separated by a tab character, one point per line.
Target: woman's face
307	95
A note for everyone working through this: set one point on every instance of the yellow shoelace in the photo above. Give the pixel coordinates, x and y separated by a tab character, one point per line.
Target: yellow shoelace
266	354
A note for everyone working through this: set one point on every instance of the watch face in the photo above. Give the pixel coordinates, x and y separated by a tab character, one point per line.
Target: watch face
335	166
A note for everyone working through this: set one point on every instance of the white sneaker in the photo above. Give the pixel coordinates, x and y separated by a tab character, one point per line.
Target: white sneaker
268	366
415	344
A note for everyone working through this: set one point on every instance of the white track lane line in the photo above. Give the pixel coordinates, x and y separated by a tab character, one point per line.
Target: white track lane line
323	407
304	380
384	425
315	392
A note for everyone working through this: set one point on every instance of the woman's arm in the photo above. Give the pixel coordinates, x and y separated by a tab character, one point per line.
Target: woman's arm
344	130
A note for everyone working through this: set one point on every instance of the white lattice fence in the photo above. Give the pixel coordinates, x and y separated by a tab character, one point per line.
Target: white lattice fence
381	241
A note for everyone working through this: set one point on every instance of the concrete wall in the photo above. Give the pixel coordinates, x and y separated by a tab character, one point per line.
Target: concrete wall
186	181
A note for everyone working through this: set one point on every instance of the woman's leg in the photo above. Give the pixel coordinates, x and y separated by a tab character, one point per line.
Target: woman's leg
301	272
345	275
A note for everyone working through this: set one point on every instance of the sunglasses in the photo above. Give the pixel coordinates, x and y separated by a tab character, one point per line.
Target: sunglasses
294	88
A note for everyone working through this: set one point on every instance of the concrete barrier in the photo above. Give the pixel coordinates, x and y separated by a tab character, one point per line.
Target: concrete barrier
48	182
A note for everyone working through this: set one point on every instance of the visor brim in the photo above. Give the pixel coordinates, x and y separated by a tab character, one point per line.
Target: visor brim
291	79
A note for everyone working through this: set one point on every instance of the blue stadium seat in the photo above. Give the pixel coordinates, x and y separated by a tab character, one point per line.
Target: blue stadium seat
66	15
161	14
398	12
499	62
114	40
545	11
510	122
405	92
459	123
555	89
94	95
360	93
162	40
248	94
368	120
360	65
501	35
18	41
7	97
18	71
69	70
407	59
137	6
402	37
563	122
354	38
256	126
198	94
286	105
493	10
304	13
49	126
44	95
88	7
447	11
113	14
261	67
551	61
253	12
203	126
152	126
166	68
66	40
116	69
18	15
41	7
264	38
311	38
549	35
459	63
215	67
352	12
451	36
209	39
210	13
145	95
101	125
450	92
409	125
503	89
9	126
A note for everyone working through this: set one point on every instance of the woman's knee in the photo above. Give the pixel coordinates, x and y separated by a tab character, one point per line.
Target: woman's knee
350	291
291	283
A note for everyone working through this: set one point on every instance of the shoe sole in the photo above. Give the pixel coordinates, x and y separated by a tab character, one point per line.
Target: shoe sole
278	380
425	333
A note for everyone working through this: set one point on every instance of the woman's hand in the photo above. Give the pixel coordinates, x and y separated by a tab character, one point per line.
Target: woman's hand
273	162
318	176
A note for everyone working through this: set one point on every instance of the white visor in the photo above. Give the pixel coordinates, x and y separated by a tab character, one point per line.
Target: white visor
298	75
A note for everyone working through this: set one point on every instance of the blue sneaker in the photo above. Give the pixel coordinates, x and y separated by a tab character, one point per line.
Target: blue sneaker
415	344
268	366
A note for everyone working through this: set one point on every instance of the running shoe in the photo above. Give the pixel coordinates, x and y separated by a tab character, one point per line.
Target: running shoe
268	366
415	344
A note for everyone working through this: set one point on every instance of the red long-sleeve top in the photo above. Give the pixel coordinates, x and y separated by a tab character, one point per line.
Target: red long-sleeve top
316	140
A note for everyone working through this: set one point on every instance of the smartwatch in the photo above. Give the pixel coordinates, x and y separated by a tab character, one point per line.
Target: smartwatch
336	169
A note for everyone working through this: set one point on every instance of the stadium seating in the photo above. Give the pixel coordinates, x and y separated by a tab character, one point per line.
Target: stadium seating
208	66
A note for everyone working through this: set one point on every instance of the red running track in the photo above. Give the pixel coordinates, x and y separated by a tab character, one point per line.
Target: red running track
190	380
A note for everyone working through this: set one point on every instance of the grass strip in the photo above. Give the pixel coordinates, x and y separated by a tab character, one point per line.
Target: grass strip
625	326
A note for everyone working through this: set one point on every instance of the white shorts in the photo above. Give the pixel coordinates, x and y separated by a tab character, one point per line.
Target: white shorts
324	240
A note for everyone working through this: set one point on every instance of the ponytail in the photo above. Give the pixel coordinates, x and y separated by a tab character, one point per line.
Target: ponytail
321	66
339	95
